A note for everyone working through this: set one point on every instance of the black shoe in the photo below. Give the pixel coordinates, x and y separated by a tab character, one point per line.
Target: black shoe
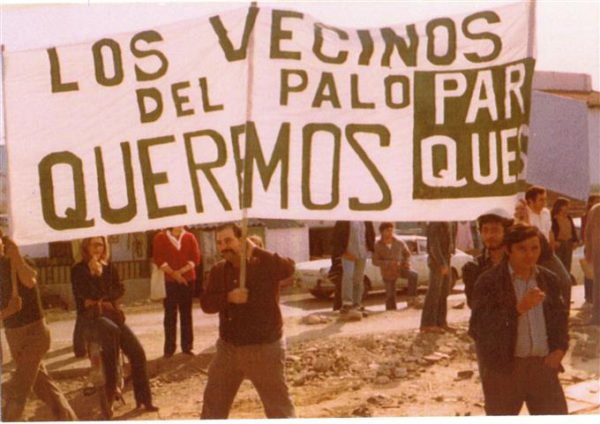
189	352
147	406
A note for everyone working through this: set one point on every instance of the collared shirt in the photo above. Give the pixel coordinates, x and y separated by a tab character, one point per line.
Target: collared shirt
532	337
543	221
357	242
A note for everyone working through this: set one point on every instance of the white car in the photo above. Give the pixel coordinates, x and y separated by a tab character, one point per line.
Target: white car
313	275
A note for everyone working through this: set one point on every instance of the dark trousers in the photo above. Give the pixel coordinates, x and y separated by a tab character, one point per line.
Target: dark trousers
79	347
565	253
529	382
588	285
435	309
113	337
179	299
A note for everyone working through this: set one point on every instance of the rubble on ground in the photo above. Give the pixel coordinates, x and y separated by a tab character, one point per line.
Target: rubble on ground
376	359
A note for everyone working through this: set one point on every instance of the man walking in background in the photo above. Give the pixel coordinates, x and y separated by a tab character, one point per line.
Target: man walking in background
440	248
393	258
28	338
353	242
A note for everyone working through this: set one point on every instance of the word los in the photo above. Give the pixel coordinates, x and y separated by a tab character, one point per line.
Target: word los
404	47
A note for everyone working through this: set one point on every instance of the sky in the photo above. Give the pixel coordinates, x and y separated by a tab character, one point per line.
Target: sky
568	32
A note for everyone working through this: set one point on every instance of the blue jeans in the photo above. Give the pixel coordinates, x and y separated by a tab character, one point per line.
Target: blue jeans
435	308
352	282
263	364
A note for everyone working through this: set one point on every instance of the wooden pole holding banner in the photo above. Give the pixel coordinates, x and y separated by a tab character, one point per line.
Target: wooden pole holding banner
532	28
249	105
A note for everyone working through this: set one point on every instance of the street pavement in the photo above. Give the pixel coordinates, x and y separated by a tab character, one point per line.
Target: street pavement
146	322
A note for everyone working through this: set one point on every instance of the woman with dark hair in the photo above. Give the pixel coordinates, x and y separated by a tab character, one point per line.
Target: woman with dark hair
550	261
97	289
565	235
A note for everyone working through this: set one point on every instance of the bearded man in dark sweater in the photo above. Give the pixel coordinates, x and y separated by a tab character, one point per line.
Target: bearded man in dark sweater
250	343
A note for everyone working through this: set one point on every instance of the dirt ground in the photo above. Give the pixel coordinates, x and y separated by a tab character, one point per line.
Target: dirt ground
392	374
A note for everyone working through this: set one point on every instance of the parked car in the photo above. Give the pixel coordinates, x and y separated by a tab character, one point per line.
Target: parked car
316	276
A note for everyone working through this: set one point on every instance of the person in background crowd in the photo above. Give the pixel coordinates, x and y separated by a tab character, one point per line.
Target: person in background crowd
588	282
492	227
28	338
251	343
393	258
177	253
537	213
257	240
353	242
520	326
520	215
440	248
335	276
79	348
592	254
97	289
464	237
564	233
550	261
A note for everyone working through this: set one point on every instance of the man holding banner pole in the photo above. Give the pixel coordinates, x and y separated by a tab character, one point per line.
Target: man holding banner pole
251	343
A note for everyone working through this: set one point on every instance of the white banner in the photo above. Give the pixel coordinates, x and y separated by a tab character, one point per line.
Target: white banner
270	110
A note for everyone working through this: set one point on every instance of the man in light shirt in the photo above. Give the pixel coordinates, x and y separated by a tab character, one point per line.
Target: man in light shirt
539	215
520	326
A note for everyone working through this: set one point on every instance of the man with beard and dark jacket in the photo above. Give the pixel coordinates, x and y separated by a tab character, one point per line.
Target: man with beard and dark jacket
492	227
251	343
519	324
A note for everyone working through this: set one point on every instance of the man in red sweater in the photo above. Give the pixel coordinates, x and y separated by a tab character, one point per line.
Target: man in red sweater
177	253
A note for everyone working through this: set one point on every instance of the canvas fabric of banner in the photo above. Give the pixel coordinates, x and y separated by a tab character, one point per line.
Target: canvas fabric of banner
412	122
